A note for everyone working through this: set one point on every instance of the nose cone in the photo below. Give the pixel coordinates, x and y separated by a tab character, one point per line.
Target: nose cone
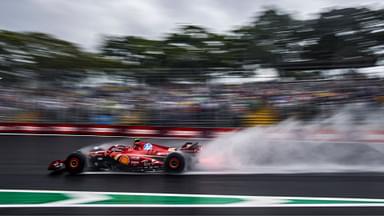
56	165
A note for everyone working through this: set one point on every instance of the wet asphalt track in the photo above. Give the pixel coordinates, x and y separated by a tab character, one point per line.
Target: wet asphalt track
24	160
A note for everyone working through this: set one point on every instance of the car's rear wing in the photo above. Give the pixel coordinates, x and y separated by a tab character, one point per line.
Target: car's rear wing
190	147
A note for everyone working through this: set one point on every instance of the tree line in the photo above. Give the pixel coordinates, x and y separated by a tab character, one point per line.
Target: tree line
336	38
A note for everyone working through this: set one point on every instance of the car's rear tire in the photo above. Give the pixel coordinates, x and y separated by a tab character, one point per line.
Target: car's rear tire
174	163
75	163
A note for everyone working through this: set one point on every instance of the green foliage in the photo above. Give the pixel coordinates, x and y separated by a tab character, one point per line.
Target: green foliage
275	39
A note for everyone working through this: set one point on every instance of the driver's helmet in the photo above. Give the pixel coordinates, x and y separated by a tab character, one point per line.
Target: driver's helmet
135	140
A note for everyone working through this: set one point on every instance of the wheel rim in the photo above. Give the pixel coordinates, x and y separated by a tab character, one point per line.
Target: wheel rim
74	162
174	163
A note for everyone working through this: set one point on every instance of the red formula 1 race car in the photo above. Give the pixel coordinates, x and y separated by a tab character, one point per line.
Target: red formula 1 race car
139	157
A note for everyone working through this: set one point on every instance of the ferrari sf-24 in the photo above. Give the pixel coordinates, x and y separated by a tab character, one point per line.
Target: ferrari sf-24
139	157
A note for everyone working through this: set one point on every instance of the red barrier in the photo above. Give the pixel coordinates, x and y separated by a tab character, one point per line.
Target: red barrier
112	130
330	135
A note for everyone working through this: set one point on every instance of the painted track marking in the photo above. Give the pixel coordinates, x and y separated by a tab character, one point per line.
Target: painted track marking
116	199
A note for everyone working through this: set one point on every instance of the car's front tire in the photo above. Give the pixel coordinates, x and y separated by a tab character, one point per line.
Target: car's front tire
75	163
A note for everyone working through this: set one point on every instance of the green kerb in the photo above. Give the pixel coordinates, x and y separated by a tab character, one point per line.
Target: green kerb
328	202
164	200
8	198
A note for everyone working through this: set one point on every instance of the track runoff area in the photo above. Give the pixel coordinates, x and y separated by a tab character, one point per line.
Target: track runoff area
26	187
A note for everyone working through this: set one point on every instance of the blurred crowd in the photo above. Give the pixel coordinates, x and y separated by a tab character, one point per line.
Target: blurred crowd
319	65
215	105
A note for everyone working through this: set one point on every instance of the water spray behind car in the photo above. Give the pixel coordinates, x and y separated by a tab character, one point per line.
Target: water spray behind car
295	146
